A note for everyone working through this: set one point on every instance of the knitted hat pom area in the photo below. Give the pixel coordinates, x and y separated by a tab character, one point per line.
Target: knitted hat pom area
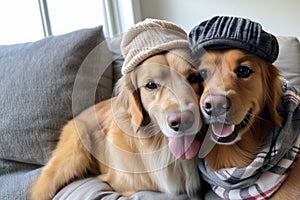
150	37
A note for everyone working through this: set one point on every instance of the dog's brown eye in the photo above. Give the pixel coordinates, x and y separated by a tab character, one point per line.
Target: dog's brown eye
151	85
194	78
204	74
243	71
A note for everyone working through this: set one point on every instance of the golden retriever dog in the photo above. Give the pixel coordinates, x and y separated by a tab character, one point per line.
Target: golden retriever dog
239	102
144	138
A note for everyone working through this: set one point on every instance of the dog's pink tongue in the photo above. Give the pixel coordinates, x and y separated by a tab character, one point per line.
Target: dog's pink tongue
222	130
185	147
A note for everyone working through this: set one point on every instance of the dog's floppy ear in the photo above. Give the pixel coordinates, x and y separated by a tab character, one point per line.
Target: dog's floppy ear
273	92
138	114
135	108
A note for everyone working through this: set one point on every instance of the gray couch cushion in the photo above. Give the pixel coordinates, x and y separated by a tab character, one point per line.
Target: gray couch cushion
93	188
118	59
37	81
289	59
15	185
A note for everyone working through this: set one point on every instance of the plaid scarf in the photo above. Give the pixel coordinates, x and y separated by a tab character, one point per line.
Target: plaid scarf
270	168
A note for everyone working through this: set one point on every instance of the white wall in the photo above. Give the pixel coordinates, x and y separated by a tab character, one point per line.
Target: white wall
280	17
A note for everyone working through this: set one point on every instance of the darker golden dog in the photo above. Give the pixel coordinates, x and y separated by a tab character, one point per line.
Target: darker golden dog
145	138
239	103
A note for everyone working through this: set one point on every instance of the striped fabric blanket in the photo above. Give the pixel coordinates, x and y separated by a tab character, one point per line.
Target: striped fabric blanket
270	168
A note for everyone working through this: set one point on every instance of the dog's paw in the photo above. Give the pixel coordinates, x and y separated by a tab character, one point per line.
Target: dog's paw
39	191
43	188
128	193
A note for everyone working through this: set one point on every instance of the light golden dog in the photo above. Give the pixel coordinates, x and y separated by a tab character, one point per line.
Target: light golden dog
145	138
239	102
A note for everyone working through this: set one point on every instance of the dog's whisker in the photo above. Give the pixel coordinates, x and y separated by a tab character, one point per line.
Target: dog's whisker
256	117
260	118
252	129
152	129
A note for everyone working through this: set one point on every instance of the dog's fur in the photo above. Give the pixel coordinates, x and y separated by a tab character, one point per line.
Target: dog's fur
125	138
259	92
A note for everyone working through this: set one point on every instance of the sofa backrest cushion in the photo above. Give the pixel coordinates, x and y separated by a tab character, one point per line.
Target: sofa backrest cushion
289	59
43	85
117	57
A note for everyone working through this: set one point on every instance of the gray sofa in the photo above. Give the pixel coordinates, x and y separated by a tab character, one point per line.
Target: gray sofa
46	83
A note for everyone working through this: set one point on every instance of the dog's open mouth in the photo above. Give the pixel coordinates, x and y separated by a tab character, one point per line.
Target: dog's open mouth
185	147
227	133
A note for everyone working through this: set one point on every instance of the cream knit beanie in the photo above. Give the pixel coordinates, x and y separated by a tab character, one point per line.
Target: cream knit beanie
150	37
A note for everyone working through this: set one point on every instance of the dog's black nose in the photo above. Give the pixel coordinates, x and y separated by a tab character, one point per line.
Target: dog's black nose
215	105
180	121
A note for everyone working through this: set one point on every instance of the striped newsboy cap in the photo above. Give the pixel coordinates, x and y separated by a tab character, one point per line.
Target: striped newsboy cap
227	32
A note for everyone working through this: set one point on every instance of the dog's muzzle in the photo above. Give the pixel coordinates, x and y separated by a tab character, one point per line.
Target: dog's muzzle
180	121
215	109
184	145
215	105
